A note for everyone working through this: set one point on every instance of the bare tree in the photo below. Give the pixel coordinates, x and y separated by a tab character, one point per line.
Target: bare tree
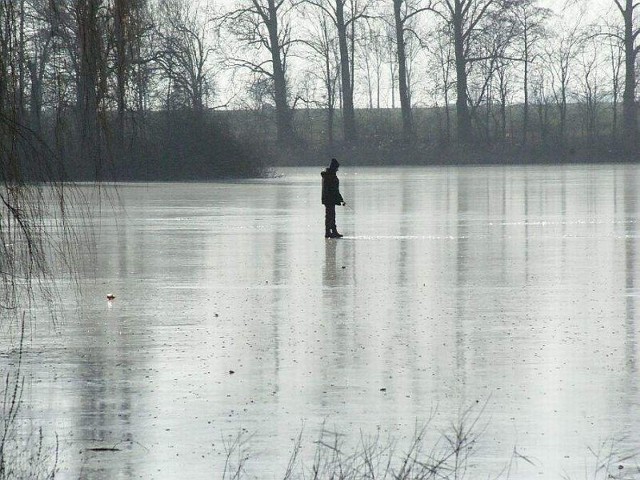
404	11
503	87
491	63
38	51
34	201
530	19
323	44
184	52
629	37
542	100
12	50
9	87
36	236
140	61
344	14
616	61
266	24
561	59
372	52
128	30
346	70
90	79
121	14
590	82
441	59
464	18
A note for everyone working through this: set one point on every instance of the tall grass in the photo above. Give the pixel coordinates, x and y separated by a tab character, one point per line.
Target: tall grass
611	460
429	454
373	457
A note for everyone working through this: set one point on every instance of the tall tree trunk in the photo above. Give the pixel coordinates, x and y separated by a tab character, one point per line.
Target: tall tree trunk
36	75
629	114
614	108
447	112
5	52
367	65
503	91
330	117
392	76
9	82
525	81
563	115
405	102
329	83
121	13
21	65
283	113
378	84
36	67
348	112
89	53
463	116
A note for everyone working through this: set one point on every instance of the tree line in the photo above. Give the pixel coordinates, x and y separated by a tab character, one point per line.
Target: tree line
159	88
110	89
503	71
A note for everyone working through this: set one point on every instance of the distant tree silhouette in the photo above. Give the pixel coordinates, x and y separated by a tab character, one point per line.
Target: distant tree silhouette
403	12
264	24
463	18
627	9
344	14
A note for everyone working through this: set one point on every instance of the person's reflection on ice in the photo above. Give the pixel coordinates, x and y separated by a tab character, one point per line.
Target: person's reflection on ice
330	269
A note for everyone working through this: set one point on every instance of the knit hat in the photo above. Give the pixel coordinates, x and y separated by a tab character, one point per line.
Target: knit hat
334	164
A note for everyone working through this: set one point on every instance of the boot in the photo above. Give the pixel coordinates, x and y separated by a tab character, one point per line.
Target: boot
328	234
335	234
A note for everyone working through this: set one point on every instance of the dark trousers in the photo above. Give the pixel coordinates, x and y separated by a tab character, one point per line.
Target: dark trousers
330	218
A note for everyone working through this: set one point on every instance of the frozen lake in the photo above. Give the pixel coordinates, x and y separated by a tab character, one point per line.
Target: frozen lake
453	288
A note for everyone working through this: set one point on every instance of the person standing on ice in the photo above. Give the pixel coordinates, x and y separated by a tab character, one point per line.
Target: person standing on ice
330	198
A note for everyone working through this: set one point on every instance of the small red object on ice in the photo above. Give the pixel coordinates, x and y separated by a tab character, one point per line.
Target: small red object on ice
110	296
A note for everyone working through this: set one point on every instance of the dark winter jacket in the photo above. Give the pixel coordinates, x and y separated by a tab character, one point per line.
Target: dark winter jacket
330	188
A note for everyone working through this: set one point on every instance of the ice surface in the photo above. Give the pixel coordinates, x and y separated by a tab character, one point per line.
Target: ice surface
515	287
